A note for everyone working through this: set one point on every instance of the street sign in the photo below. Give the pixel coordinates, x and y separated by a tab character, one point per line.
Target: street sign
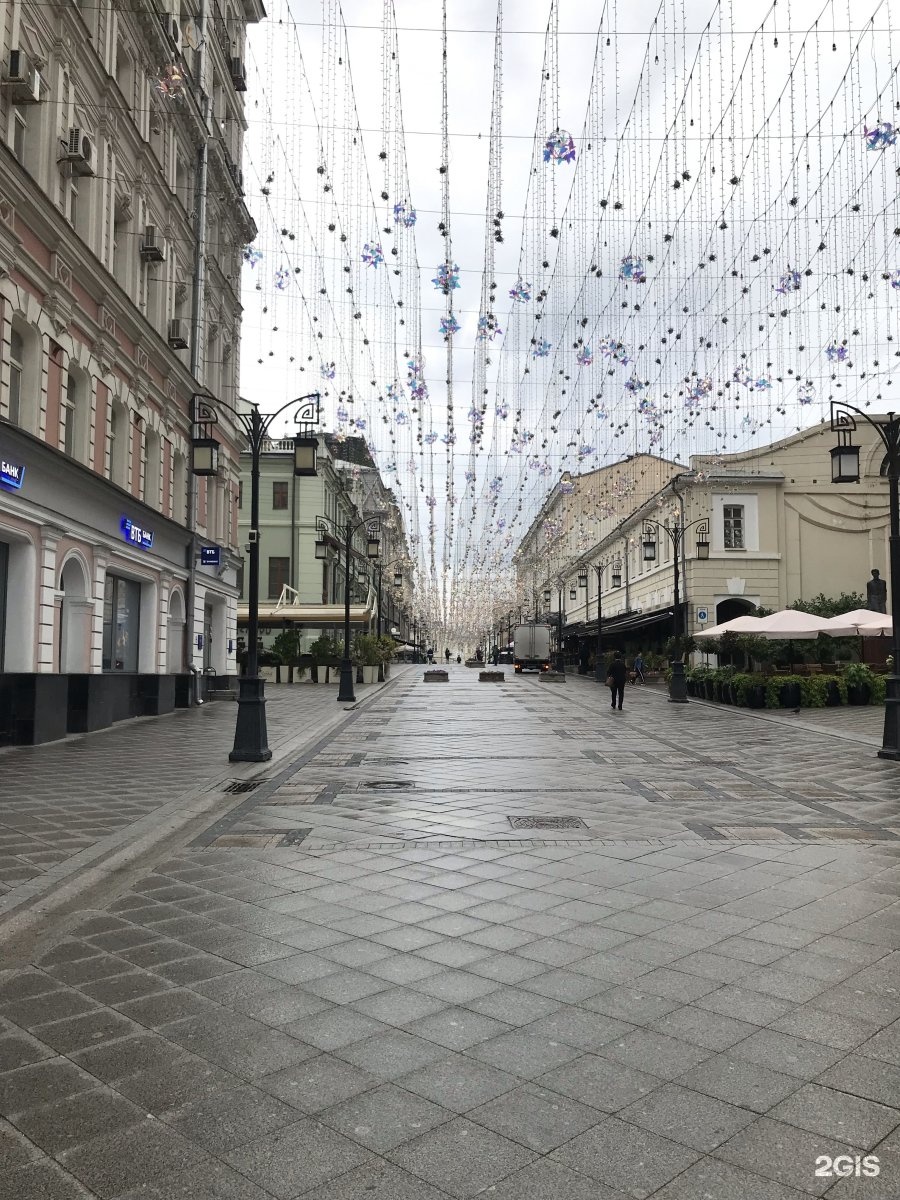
210	556
702	616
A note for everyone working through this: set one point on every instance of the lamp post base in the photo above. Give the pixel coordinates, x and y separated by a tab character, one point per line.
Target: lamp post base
251	738
346	695
890	741
677	684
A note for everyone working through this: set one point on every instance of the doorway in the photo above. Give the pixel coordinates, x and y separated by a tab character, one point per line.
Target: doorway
4	579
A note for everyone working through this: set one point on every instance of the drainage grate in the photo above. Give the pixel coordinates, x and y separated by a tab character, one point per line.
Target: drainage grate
243	785
547	822
387	785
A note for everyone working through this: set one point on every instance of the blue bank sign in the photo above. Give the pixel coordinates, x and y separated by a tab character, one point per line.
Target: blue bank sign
135	535
210	556
11	474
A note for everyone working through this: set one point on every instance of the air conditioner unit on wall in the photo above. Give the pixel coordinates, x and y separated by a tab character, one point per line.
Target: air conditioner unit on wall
238	75
22	81
173	30
153	247
178	334
79	151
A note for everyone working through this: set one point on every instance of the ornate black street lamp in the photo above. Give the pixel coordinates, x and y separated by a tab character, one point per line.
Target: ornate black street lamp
251	735
845	469
676	534
398	583
616	578
346	694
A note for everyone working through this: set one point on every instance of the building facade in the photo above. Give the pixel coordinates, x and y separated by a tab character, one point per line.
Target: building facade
122	224
346	487
779	531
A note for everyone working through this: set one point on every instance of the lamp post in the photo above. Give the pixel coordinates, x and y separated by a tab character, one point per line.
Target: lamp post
676	534
845	469
251	734
398	582
616	577
346	694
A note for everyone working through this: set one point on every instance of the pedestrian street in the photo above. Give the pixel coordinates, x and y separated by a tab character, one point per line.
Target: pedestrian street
481	939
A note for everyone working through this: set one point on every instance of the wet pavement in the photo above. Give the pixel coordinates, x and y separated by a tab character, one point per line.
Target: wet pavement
485	939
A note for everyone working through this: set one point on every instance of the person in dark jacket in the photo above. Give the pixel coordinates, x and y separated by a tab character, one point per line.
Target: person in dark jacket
617	675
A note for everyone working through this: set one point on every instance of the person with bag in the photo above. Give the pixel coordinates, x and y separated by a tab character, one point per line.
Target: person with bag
615	679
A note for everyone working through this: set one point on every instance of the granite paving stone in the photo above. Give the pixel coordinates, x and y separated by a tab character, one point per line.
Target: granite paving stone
461	1158
297	1158
416	1001
626	1158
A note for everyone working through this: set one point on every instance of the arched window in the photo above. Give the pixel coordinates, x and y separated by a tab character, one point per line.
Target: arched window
118	444
24	376
179	488
16	374
152	468
76	415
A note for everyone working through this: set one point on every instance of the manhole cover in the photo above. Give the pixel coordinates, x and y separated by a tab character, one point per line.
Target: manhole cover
547	822
387	785
244	785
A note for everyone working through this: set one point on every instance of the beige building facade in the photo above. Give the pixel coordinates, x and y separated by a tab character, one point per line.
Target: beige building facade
779	531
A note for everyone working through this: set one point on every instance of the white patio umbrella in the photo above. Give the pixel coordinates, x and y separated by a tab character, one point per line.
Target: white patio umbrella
744	624
791	625
860	622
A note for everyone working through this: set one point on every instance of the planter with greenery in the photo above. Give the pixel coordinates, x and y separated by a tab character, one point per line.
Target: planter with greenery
367	655
860	684
749	690
285	649
783	691
326	656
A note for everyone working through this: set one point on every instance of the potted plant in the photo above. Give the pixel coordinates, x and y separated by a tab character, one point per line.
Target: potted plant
286	651
387	648
367	654
325	655
749	690
783	691
860	683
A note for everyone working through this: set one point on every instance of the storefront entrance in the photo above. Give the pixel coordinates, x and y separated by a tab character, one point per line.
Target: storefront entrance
4	579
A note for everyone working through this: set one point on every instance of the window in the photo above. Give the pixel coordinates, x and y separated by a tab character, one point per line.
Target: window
278	576
16	370
733	526
70	409
18	138
280	494
121	624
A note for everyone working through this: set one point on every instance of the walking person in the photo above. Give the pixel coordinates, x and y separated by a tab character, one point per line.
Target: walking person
615	679
638	667
447	656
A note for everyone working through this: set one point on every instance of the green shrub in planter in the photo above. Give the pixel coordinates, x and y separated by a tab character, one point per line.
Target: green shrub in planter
749	690
813	691
784	691
835	691
860	684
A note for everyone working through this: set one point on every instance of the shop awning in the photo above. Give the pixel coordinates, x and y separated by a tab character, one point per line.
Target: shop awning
628	621
307	614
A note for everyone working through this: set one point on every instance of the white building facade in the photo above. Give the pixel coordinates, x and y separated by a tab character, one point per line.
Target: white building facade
122	225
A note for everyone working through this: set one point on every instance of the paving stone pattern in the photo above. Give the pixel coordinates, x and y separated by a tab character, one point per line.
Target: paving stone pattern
61	799
694	996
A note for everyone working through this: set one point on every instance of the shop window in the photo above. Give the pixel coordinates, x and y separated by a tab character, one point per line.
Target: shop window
278	576
279	494
121	624
733	526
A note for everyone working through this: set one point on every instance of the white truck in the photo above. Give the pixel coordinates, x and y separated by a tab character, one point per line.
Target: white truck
531	648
